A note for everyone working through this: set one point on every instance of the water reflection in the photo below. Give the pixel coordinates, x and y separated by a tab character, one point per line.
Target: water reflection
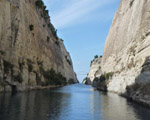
74	102
32	106
116	107
95	104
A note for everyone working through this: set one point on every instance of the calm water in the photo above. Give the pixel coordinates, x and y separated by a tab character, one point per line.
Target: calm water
74	102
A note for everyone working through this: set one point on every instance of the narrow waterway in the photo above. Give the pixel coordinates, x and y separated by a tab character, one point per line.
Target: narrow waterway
74	102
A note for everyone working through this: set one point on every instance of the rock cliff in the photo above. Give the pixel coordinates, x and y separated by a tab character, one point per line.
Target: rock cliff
125	64
126	51
31	54
95	71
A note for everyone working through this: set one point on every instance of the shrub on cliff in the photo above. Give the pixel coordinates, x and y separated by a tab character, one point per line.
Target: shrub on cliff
54	78
53	30
39	3
7	66
96	56
30	66
104	77
31	27
2	52
18	78
91	63
108	75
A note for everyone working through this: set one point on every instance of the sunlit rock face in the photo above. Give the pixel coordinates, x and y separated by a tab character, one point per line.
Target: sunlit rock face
127	47
29	45
126	51
95	71
125	65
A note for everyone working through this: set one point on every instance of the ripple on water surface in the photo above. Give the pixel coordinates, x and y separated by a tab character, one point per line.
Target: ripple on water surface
73	102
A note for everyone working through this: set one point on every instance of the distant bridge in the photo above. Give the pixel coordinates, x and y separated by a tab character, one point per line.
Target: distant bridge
81	74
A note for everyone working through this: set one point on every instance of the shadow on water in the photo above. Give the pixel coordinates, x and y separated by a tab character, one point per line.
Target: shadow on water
74	102
34	105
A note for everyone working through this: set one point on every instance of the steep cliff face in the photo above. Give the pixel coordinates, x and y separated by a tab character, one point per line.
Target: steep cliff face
95	71
125	66
30	51
126	51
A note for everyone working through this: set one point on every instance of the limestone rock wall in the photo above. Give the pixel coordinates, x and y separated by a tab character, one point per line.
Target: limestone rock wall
29	45
127	47
95	71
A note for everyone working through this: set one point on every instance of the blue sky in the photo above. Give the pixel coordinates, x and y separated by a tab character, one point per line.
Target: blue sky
84	26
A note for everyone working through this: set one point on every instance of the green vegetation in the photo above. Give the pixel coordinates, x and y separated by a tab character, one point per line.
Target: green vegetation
48	38
91	63
102	81
40	63
108	75
7	66
30	66
54	78
40	4
31	27
46	11
18	78
2	52
53	30
96	56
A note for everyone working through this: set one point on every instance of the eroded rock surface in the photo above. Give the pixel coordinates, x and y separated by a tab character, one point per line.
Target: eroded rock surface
30	47
95	71
126	53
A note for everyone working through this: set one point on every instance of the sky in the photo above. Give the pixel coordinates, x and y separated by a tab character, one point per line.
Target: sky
84	26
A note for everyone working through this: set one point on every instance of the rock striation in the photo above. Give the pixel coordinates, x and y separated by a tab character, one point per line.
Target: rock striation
31	54
126	53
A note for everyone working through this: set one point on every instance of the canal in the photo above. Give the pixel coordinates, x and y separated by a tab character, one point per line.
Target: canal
73	102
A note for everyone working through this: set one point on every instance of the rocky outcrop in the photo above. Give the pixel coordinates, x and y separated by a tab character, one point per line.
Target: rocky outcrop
95	71
126	52
87	81
31	54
